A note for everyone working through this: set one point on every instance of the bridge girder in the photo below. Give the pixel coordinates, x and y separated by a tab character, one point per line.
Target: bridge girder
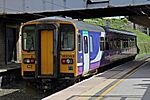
86	9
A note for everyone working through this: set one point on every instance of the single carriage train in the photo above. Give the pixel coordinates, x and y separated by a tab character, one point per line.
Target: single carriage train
56	47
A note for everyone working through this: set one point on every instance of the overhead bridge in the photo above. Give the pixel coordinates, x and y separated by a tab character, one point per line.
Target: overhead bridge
32	9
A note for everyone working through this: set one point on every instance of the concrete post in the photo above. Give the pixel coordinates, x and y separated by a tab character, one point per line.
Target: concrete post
23	5
4	6
134	26
148	32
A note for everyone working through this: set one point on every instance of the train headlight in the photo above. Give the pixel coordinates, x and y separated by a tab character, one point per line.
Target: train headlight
29	61
67	61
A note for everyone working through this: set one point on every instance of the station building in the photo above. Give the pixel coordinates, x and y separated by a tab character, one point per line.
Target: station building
10	40
9	36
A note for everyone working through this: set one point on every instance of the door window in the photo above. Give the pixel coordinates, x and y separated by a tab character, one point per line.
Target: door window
79	43
91	44
102	43
85	44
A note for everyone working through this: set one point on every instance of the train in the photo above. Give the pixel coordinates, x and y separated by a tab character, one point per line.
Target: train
58	47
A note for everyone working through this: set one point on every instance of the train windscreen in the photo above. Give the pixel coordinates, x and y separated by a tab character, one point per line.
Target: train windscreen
67	37
28	38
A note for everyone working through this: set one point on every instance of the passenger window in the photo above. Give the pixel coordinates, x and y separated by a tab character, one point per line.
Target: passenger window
85	44
79	43
118	42
133	42
67	37
91	44
111	44
107	44
102	43
125	43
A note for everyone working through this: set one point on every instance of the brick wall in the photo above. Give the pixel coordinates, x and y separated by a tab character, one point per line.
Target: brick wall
2	44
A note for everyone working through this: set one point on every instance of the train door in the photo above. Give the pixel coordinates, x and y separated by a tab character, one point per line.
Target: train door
47	52
102	41
86	52
102	44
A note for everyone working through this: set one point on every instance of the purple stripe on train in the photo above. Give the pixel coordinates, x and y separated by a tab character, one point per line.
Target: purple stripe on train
94	65
80	70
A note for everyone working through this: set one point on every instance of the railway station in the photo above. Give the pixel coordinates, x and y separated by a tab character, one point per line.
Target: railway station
122	82
75	49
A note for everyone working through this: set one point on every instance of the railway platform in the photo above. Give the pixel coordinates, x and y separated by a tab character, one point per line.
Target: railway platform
9	73
129	81
9	67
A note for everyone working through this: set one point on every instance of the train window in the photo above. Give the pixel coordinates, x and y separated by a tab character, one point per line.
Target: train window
102	43
125	43
67	32
91	44
107	44
28	37
79	43
130	43
133	42
111	44
116	43
85	44
121	44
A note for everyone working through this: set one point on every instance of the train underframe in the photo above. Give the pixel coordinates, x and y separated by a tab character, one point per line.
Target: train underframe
53	83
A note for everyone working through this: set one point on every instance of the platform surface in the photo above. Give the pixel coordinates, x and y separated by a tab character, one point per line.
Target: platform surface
129	81
12	66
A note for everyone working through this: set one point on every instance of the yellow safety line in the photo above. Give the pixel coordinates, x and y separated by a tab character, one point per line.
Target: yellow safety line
118	82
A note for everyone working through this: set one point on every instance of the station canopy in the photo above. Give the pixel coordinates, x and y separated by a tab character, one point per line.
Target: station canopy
135	13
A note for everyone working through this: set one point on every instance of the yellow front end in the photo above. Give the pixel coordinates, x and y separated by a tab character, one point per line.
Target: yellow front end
28	68
68	63
43	56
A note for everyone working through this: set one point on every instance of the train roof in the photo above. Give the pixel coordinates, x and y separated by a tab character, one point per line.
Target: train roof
84	26
78	24
119	31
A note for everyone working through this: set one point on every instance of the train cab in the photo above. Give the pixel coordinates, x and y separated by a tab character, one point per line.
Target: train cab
48	49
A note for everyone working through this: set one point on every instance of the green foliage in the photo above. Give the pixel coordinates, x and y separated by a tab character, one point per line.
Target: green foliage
114	23
143	40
